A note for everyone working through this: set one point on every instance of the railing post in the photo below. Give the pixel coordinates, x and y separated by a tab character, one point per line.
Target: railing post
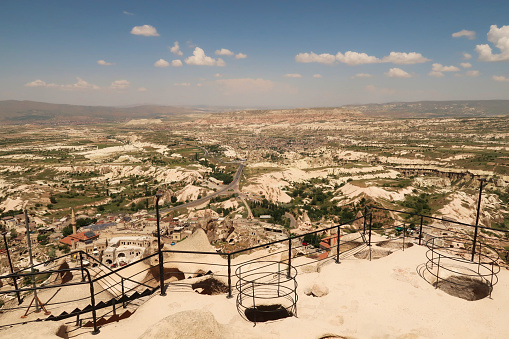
404	231
479	261
10	265
159	247
364	225
229	276
432	253
278	276
491	280
438	270
337	245
420	230
254	301
477	218
92	303
81	265
289	256
123	292
370	222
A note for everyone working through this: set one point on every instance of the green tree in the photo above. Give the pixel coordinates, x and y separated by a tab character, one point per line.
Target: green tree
52	253
42	239
66	231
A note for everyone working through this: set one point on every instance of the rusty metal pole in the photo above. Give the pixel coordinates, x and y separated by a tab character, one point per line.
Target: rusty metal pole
482	180
10	265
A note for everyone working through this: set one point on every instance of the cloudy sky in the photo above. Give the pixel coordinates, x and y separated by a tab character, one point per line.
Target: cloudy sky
253	53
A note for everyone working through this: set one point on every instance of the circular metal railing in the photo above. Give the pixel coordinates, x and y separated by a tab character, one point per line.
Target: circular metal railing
450	268
267	290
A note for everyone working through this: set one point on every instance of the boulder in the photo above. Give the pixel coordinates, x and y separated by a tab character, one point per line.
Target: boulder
317	290
187	324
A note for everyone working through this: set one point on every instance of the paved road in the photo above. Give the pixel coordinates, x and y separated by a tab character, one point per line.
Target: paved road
233	185
293	222
249	212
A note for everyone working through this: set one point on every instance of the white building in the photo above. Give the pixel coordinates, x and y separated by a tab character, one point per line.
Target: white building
124	250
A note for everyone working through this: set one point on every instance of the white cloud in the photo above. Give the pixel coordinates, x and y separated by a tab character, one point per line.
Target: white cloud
80	84
469	34
199	85
104	63
223	51
245	85
441	68
500	78
145	30
405	58
500	38
199	58
362	75
161	63
182	84
293	75
398	73
176	63
39	83
127	13
120	84
324	58
355	58
436	74
142	89
240	56
218	75
175	49
317	76
473	73
467	56
466	64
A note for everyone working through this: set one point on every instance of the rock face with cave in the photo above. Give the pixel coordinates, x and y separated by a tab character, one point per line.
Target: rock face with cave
124	250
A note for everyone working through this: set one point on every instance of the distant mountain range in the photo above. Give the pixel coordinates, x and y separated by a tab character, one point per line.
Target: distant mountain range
21	112
13	111
436	109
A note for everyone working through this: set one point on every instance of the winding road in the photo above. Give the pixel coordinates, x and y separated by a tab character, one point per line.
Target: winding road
233	185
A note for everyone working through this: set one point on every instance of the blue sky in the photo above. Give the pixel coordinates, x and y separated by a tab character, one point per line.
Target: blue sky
253	53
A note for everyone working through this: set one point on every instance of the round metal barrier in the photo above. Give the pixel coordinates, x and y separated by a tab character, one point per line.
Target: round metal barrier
267	291
449	268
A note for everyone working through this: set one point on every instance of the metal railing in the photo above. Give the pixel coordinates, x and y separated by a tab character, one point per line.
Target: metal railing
128	287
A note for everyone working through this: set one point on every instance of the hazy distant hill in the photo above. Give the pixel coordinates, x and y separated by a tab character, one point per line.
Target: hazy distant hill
431	109
13	111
